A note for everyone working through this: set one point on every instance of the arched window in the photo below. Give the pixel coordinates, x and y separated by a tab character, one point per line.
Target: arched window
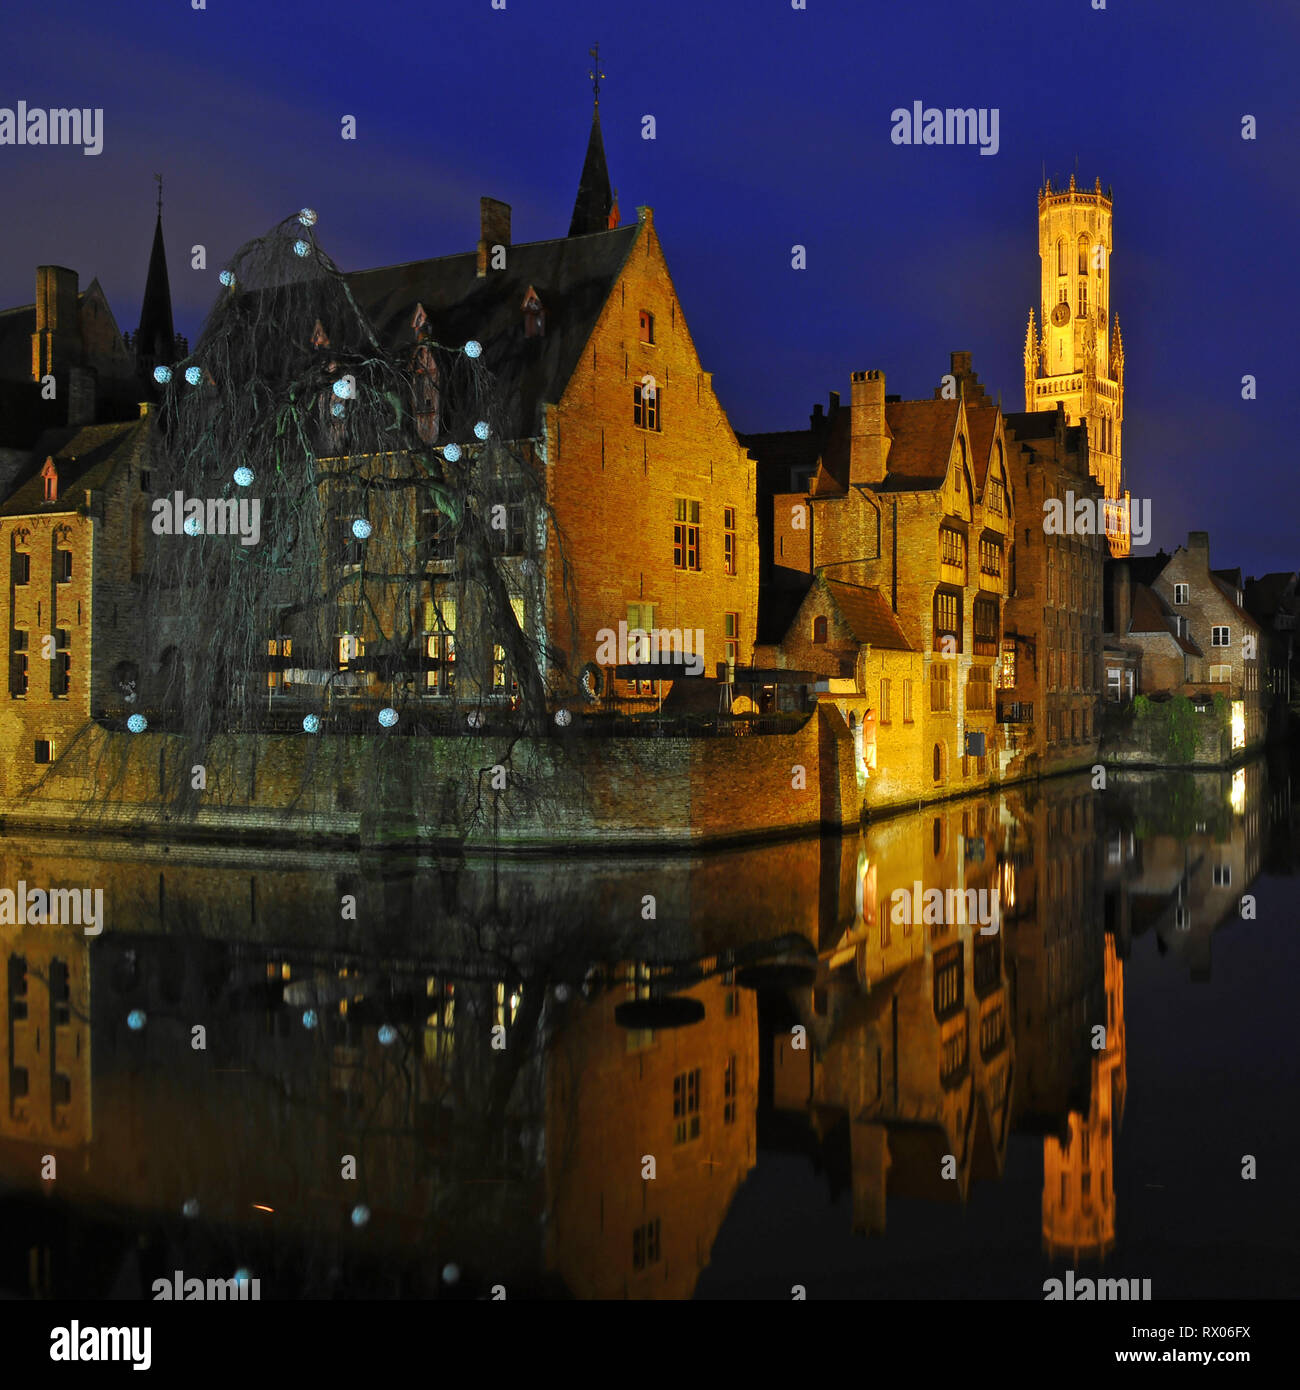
1062	264
1083	254
819	629
940	763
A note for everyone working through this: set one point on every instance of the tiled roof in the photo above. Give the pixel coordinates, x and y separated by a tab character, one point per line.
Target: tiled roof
923	433
1150	614
870	618
1229	592
983	422
85	460
573	277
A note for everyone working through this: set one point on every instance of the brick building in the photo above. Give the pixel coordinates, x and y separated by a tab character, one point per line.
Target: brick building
1049	679
1191	636
652	494
73	560
914	500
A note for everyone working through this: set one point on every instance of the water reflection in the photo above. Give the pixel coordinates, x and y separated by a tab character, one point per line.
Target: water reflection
444	1078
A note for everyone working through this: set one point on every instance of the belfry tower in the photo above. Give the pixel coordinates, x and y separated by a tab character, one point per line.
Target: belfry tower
1075	357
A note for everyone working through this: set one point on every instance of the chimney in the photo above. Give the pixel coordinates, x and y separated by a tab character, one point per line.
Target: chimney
494	230
815	419
81	396
1198	547
1123	599
867	445
56	342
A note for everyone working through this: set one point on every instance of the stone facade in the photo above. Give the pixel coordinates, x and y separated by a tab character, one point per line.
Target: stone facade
1049	684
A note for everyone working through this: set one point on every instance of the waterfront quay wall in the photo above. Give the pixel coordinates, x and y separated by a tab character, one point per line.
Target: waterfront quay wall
506	790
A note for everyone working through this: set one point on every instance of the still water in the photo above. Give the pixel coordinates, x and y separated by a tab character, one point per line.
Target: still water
721	1075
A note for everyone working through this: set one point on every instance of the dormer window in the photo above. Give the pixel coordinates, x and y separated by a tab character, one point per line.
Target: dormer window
534	315
50	477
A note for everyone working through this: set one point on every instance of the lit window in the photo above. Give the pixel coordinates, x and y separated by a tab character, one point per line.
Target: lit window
729	540
686	535
645	1245
440	646
686	1106
647	407
278	648
731	643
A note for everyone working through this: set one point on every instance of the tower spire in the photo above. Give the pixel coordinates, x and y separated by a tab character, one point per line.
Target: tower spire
155	338
594	209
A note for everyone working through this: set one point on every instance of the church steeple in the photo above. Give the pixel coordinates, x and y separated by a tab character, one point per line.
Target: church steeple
594	209
155	339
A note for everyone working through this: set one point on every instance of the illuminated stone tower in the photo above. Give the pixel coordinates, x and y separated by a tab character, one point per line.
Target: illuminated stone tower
1071	354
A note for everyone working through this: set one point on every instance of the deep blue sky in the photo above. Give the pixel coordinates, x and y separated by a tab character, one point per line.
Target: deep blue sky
773	128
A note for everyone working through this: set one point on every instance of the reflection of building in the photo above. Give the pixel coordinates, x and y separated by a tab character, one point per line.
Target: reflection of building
685	1097
45	1037
1054	950
1184	881
1079	1172
912	1047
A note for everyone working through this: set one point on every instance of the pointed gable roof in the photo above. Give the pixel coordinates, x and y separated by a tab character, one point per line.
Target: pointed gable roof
156	336
594	209
572	276
983	424
86	459
922	434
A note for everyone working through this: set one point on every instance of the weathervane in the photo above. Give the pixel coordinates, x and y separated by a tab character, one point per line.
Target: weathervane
595	74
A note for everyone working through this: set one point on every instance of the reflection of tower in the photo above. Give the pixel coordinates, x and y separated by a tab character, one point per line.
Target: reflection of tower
45	1032
1078	357
1079	1176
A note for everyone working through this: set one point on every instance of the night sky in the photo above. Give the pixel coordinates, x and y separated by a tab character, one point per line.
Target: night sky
772	129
